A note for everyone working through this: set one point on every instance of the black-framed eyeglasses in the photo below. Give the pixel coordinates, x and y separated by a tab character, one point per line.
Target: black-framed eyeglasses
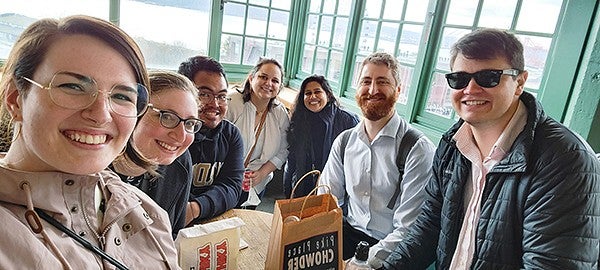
74	91
485	78
209	97
171	120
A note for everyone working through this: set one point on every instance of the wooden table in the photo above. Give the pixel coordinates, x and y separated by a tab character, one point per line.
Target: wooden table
256	233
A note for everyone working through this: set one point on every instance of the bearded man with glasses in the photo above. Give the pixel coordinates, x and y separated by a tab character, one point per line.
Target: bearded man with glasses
512	187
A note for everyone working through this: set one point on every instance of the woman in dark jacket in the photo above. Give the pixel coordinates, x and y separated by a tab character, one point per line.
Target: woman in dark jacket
163	136
317	120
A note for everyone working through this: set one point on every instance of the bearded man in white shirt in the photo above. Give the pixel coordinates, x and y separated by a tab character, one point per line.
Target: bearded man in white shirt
362	171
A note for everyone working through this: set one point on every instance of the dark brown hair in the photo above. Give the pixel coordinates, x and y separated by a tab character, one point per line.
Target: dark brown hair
247	91
487	43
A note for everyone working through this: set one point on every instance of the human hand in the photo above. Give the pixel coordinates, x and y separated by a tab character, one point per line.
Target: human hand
253	178
192	211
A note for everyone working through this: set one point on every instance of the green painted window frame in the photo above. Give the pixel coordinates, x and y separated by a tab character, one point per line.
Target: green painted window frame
559	74
559	81
237	73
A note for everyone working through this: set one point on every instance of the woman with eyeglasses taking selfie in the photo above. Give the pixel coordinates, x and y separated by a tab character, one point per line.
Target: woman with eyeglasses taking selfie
73	89
163	136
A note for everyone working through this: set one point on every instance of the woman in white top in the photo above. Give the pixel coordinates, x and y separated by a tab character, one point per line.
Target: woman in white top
256	111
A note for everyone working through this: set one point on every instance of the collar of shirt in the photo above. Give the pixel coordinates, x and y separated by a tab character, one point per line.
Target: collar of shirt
468	147
512	130
389	129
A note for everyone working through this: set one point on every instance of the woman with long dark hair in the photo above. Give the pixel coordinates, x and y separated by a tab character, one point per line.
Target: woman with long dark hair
317	119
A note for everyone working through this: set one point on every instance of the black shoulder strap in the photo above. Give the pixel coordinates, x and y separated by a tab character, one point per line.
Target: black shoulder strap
345	137
79	239
409	139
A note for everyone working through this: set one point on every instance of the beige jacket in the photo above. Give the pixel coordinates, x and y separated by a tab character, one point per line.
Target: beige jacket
133	230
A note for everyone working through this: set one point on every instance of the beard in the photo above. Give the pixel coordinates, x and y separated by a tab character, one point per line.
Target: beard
376	110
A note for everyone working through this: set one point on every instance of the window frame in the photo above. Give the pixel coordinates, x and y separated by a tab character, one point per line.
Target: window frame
559	81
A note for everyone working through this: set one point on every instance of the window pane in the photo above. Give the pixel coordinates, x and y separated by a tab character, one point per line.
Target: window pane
311	29
233	18
163	43
462	12
265	29
393	9
405	80
257	24
416	11
321	61
282	4
497	13
276	49
15	16
278	24
356	70
451	35
231	49
259	2
335	66
325	31
408	49
307	58
367	37
546	23
535	50
372	9
329	6
315	6
339	36
344	7
387	37
438	102
253	50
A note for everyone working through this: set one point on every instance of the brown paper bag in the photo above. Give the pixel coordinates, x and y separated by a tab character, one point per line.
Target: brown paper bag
312	242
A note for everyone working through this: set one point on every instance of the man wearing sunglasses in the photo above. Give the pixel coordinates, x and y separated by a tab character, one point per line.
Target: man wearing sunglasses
512	187
217	149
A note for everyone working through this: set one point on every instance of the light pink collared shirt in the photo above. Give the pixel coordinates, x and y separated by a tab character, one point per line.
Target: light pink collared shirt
465	248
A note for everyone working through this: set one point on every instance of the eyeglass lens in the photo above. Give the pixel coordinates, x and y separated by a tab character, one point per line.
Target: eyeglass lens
209	97
484	78
74	91
171	120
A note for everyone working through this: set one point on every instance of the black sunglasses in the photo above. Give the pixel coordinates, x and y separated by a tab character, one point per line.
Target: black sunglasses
484	78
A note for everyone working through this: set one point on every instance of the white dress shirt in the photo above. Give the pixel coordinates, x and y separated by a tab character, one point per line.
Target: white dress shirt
369	176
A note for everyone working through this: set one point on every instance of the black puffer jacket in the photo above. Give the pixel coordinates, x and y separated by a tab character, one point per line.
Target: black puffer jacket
540	208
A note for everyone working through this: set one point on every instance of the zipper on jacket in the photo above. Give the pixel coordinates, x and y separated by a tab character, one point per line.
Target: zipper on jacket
102	236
